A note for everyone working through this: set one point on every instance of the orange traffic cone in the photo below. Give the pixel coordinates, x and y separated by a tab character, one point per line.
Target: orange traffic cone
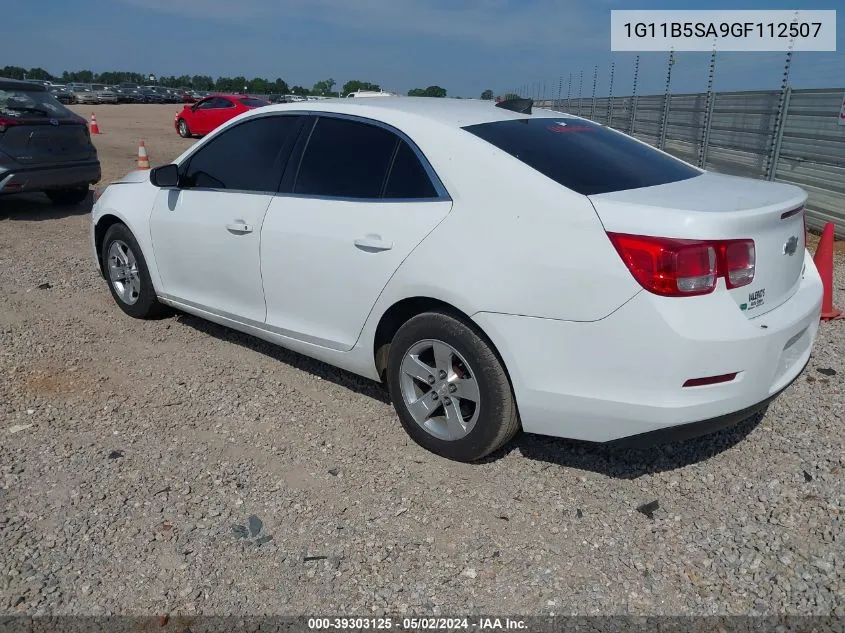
823	260
143	159
95	129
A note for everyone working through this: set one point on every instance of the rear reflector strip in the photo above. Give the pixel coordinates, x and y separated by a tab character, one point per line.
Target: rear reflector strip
711	380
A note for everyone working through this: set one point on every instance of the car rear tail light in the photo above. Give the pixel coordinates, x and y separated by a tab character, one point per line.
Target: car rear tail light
739	257
6	123
682	268
710	380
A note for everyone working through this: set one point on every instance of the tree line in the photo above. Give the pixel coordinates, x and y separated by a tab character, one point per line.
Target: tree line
205	83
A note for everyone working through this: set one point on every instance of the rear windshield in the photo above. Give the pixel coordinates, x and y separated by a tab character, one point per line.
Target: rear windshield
583	156
250	102
29	104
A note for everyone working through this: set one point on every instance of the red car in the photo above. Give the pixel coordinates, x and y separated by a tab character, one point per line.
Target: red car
207	114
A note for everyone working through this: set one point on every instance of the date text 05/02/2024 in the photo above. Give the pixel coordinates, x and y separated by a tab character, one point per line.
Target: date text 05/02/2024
415	624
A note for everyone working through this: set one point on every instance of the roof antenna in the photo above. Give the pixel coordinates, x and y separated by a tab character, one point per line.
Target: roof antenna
522	106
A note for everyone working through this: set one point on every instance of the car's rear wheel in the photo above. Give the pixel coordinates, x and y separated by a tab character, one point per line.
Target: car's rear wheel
184	130
68	196
128	275
450	389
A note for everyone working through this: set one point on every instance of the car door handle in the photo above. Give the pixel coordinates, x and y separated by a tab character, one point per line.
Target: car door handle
373	243
239	227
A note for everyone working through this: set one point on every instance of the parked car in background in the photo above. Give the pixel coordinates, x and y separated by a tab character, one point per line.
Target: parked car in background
62	93
43	145
709	301
84	94
104	93
207	114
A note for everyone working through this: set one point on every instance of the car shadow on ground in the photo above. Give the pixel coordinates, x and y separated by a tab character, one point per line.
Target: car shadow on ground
629	463
34	207
608	460
298	361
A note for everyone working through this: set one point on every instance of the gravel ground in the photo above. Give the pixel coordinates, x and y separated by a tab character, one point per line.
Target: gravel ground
178	467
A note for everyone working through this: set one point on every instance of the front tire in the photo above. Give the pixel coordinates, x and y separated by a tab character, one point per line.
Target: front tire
128	275
184	130
449	388
70	196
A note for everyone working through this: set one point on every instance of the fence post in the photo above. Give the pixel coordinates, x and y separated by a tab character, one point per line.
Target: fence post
666	99
580	91
569	95
634	96
780	118
708	112
610	98
705	144
773	169
595	81
559	90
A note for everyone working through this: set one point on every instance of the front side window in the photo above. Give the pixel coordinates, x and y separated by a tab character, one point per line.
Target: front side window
345	159
583	156
247	157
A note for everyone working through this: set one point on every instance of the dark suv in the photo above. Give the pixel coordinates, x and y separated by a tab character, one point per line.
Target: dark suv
43	145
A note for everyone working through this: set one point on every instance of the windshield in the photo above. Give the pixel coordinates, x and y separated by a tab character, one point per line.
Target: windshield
583	156
30	104
251	102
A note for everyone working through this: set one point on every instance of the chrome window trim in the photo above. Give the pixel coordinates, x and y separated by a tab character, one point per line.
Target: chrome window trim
442	193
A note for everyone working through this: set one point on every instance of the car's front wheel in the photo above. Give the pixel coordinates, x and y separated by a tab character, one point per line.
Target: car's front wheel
128	275
449	388
184	130
68	196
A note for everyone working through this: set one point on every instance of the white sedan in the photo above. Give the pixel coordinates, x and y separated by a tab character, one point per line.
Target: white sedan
498	268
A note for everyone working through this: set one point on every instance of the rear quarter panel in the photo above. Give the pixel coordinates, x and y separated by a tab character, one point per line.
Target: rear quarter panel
515	242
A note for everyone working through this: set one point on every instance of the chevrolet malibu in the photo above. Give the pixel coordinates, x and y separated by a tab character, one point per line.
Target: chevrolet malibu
498	268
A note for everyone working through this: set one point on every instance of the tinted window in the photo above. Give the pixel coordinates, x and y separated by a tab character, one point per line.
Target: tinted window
345	159
583	156
251	102
205	105
220	102
20	103
247	157
408	178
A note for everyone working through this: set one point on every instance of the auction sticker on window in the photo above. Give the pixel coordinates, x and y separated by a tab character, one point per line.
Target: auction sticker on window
683	30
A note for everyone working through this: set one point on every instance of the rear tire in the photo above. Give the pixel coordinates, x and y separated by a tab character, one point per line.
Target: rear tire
449	388
69	196
184	130
128	276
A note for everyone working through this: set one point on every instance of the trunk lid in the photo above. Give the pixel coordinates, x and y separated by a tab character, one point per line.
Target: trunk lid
720	207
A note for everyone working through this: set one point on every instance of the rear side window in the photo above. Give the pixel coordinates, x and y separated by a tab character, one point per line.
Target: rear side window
345	159
583	156
16	103
247	157
408	178
251	102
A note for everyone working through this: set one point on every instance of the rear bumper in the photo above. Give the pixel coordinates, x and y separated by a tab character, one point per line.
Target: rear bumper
24	179
622	376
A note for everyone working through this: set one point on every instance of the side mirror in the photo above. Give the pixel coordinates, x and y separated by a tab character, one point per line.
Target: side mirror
166	176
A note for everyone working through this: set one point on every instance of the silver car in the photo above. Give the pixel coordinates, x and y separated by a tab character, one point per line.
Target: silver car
84	93
104	93
43	145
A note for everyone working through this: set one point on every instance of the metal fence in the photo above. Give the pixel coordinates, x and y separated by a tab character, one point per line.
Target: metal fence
788	136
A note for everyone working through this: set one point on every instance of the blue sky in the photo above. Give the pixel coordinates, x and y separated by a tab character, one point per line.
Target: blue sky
461	45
